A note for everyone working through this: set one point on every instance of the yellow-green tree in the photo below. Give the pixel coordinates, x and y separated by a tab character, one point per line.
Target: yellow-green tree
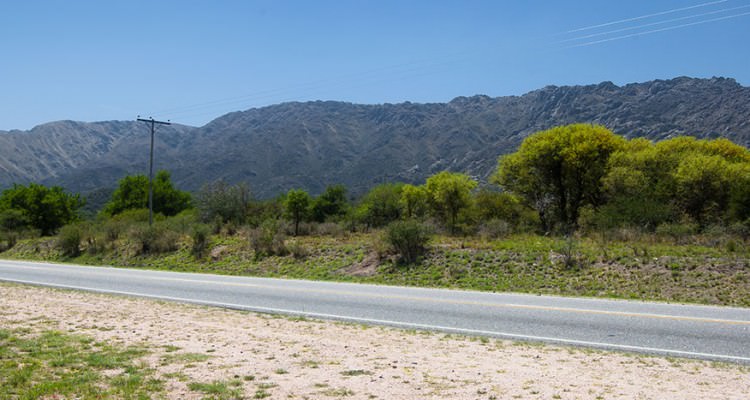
559	170
413	201
448	193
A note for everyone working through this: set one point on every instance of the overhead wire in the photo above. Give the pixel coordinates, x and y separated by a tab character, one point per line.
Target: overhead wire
591	43
640	17
636	27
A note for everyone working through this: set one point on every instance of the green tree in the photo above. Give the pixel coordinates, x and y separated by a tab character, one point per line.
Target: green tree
448	193
380	205
559	170
297	206
43	208
413	201
132	194
331	203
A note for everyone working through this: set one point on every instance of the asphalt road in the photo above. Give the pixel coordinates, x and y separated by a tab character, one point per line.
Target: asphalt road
714	333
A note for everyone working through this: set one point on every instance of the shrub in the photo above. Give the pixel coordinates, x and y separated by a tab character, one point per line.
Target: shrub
268	239
112	230
222	201
495	229
184	222
568	253
677	231
297	250
154	239
408	239
329	229
69	240
200	236
8	239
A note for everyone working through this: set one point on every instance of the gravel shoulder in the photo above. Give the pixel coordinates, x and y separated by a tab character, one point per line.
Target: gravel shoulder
283	357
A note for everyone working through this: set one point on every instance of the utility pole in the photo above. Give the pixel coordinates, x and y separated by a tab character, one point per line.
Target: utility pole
153	124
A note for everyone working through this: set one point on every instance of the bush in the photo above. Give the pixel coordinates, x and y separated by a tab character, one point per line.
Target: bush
154	239
329	229
567	253
408	239
268	239
495	229
200	236
222	201
69	240
677	231
297	250
8	239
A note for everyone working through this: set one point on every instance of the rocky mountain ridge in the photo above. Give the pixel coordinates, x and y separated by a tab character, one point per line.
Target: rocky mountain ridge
313	144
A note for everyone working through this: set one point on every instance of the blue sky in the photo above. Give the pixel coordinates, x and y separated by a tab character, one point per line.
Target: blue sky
192	61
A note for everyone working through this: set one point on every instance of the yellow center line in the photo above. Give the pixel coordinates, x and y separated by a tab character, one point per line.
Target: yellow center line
436	300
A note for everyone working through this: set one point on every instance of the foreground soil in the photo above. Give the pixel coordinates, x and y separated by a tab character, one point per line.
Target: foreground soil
277	357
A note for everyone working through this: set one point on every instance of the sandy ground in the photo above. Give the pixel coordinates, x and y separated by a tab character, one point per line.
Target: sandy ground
307	359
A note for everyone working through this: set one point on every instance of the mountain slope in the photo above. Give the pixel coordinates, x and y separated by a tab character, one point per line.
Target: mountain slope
314	144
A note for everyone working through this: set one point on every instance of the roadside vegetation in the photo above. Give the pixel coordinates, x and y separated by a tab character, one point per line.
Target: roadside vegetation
577	210
53	365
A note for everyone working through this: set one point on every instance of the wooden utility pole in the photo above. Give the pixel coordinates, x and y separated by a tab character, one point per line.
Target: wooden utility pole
153	124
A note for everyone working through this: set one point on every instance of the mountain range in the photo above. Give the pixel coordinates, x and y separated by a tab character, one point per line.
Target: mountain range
313	144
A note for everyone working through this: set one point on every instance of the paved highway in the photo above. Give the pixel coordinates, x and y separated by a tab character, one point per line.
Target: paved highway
714	333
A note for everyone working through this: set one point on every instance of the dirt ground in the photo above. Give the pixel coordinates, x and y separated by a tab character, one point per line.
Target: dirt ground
307	359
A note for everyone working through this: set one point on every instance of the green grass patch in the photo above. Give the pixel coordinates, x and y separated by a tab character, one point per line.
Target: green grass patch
70	366
219	390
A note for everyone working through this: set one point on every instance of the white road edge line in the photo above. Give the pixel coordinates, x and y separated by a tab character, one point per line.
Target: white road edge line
408	325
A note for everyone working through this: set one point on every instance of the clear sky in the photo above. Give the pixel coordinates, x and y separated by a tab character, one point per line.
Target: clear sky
192	61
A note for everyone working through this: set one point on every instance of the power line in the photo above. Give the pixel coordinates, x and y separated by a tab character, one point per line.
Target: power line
585	28
657	30
667	21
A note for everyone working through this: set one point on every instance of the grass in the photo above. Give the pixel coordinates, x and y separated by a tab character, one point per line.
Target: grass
219	390
184	358
646	267
53	365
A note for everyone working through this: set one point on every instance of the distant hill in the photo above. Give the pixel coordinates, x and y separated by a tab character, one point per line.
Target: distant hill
313	144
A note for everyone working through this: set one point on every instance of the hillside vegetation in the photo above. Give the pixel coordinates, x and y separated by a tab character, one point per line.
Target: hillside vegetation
577	210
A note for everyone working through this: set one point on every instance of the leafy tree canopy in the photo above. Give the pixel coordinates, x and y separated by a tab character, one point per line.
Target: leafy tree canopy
331	203
38	207
448	193
559	170
380	206
132	194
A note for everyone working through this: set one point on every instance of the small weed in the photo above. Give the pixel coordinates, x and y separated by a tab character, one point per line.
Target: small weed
356	372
